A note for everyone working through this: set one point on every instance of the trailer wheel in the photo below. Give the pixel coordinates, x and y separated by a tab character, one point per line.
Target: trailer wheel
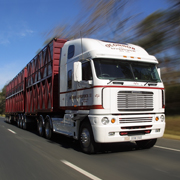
48	130
18	122
86	139
146	144
40	128
21	123
10	119
24	124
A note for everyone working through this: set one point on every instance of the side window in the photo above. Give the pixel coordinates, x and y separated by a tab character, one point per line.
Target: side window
86	71
71	51
69	79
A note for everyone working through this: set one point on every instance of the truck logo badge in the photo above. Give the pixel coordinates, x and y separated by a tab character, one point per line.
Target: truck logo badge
121	47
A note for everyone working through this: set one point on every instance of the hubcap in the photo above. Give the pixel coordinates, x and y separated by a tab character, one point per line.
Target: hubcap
20	123
85	137
47	131
24	124
40	127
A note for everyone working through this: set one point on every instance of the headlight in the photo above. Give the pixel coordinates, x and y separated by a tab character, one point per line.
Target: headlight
105	120
162	117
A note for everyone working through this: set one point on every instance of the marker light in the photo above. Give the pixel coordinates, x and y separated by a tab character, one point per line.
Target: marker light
139	58
125	56
157	118
113	120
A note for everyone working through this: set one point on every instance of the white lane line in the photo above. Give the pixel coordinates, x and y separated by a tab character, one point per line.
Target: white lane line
12	131
91	176
168	148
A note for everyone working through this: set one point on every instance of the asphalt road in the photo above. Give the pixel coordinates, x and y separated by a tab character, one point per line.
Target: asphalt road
26	156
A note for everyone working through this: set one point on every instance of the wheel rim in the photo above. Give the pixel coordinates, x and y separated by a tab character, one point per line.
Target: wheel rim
20	124
85	137
47	130
24	124
40	127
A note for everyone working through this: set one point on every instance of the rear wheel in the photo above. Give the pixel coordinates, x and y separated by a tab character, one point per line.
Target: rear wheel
10	119
87	143
21	123
24	124
18	121
40	126
48	130
146	144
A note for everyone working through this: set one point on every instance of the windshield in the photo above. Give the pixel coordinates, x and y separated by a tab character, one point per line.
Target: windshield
125	70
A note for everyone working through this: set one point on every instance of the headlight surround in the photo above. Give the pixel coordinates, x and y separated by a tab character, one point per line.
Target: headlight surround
105	120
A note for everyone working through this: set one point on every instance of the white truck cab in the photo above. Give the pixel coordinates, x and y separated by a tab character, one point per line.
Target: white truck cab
109	92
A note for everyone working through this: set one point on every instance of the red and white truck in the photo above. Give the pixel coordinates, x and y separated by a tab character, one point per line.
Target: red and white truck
91	90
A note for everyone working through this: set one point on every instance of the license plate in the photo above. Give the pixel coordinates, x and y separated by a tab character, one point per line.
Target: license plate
136	138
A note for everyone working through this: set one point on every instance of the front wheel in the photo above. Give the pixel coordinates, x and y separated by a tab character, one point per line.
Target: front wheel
87	143
146	144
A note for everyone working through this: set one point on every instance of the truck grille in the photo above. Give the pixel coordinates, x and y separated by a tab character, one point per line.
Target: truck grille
135	120
135	101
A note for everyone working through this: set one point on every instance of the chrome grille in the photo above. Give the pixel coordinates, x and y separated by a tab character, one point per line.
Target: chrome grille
135	120
135	101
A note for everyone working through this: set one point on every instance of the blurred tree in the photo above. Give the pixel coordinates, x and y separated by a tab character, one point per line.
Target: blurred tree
105	19
2	100
159	34
151	33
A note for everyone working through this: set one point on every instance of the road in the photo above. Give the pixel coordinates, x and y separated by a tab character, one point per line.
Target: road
25	155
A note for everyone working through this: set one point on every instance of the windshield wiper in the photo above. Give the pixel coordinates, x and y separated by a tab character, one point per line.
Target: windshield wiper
151	84
146	83
116	82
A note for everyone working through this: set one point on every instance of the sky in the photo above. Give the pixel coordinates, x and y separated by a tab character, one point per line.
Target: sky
24	23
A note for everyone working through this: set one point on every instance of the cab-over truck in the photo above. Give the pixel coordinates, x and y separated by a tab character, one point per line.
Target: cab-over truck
91	90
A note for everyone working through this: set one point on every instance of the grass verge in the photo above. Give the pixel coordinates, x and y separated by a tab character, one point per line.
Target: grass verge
172	130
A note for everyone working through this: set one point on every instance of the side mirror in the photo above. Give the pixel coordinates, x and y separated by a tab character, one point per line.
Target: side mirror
159	72
77	71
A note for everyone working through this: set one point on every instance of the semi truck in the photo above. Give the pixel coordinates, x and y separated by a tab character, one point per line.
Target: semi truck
91	90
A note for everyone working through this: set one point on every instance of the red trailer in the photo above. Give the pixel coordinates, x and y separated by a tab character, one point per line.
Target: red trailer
35	89
15	95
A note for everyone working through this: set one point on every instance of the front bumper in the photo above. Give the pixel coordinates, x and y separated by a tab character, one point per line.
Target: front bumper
127	127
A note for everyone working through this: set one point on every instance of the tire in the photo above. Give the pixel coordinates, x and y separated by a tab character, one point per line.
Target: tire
20	123
146	144
40	128
48	130
10	120
24	124
18	120
86	139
